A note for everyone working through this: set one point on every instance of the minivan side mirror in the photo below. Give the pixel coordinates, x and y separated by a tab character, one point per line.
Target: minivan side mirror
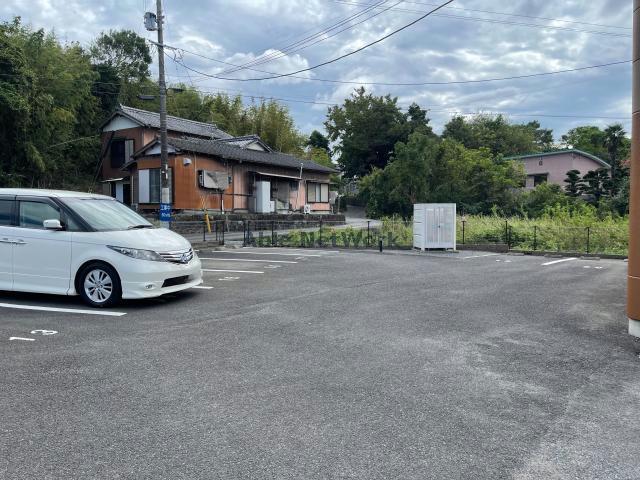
53	224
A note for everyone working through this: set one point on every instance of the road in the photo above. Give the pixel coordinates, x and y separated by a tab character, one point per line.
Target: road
303	364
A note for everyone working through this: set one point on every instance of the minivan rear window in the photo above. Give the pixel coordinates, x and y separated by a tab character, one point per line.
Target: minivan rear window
6	211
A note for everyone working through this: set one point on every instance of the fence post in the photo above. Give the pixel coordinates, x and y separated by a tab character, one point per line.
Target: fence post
244	233
506	232
224	226
463	226
588	239
368	232
320	239
273	228
535	238
204	231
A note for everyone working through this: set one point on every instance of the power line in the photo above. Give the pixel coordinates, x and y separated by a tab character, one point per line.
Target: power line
263	58
333	60
398	84
524	16
409	84
325	38
502	22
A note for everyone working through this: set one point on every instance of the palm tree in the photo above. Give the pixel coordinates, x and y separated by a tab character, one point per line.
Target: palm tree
614	136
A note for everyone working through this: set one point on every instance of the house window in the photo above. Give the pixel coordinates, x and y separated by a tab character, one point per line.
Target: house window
150	185
317	192
539	179
121	151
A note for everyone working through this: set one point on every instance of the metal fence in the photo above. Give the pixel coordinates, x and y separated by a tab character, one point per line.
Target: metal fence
523	235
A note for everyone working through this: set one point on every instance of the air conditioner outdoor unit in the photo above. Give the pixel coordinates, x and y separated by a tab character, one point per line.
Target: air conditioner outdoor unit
306	208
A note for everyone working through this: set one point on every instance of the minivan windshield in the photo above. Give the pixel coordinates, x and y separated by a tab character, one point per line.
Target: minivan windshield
106	215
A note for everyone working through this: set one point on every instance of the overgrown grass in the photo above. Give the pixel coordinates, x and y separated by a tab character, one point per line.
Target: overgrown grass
580	234
558	231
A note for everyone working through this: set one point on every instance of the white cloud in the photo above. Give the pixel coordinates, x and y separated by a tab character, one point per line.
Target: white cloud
436	49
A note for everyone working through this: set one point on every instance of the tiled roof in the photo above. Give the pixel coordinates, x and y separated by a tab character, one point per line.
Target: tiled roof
560	152
244	141
225	150
176	124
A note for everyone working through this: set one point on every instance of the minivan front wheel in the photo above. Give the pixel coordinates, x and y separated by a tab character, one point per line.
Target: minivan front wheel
99	285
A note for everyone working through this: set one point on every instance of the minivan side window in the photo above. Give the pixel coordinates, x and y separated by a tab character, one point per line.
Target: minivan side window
6	211
33	214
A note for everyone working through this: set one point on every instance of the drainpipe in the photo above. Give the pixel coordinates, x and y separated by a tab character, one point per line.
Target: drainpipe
633	278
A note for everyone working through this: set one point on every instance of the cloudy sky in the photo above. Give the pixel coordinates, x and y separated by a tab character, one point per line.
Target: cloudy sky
468	40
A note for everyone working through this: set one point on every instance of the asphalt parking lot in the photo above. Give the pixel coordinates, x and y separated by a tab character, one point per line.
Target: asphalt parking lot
324	364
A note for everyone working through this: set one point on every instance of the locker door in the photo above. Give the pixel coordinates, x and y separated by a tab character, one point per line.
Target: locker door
432	227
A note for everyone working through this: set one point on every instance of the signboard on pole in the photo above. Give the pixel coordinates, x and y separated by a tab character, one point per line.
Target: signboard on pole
165	212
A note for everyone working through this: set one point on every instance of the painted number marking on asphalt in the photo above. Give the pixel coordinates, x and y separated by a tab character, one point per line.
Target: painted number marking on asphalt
559	261
43	332
23	339
62	310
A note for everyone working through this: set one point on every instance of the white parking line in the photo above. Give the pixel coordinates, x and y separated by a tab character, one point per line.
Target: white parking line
479	256
247	260
302	250
229	271
21	338
202	287
268	253
62	310
559	261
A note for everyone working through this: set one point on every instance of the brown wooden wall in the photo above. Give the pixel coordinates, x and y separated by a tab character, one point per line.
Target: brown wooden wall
187	195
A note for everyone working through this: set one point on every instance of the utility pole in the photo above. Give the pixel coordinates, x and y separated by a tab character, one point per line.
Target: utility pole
165	202
633	277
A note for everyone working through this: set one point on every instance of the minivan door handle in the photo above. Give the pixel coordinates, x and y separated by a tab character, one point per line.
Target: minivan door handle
20	242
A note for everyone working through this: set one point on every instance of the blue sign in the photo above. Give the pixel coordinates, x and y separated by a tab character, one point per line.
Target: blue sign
165	212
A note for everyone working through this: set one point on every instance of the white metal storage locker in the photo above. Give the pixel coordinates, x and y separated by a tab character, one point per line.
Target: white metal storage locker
434	225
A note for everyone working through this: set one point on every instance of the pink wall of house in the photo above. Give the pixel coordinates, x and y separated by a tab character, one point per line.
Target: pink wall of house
556	166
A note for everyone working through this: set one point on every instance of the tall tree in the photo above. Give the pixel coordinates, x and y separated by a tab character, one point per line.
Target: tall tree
497	134
47	111
365	129
124	51
587	138
121	58
542	137
417	120
426	170
318	140
615	142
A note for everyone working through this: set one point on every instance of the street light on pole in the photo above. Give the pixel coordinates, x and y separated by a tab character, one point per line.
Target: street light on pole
165	194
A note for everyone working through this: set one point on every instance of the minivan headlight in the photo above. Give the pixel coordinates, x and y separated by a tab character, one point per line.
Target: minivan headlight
138	254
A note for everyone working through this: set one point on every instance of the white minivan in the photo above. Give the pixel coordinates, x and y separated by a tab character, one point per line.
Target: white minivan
71	243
